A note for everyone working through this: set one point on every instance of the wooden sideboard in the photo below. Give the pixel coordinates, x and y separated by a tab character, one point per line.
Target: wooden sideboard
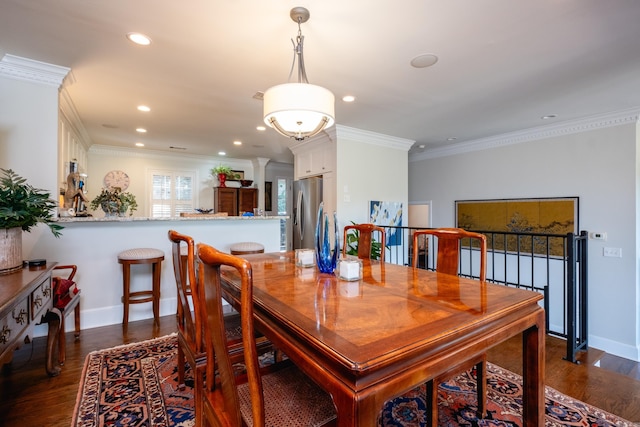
235	201
26	300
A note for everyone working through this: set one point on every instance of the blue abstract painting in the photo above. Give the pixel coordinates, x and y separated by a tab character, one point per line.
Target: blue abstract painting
387	214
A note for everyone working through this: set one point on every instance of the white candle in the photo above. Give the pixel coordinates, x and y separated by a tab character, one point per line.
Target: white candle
350	269
305	257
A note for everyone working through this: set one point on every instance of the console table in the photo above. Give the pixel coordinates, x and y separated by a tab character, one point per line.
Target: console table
26	300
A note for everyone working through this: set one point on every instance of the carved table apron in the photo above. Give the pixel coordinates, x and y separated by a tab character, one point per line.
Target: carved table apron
26	300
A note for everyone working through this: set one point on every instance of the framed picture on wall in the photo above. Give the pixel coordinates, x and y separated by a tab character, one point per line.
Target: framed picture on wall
548	215
267	195
237	175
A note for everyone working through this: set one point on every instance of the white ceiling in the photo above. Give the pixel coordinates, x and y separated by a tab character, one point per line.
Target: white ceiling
503	64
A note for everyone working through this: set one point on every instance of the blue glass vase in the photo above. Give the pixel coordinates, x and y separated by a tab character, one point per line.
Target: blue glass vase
326	258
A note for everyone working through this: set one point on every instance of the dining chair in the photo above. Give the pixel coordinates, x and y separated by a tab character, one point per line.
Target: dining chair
191	347
283	397
449	241
364	236
66	297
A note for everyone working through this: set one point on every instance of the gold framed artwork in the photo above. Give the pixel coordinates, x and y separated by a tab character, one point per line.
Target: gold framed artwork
555	216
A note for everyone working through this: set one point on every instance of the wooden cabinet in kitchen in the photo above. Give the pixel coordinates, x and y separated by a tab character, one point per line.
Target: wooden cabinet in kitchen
235	201
247	199
225	199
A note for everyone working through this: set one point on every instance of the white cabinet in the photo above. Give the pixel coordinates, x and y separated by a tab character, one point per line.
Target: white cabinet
313	160
317	157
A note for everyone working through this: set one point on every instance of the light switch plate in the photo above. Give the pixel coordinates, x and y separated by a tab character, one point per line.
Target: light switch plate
612	252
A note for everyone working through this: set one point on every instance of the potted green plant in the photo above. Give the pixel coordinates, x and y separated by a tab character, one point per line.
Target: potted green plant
223	172
21	208
115	202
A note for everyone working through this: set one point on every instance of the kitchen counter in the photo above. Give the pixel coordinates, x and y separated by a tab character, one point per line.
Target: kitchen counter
93	244
203	217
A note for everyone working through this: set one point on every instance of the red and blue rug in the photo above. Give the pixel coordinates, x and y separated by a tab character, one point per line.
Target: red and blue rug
136	385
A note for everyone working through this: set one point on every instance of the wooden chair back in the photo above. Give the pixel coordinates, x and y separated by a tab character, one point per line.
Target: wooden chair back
449	240
365	239
183	255
210	262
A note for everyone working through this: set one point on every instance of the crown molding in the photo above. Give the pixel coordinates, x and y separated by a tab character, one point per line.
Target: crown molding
338	132
585	124
373	138
29	70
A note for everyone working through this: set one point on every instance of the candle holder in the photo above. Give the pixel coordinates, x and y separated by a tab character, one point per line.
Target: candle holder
350	269
305	257
326	258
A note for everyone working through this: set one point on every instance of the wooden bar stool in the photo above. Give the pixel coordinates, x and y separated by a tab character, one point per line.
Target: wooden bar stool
141	256
243	248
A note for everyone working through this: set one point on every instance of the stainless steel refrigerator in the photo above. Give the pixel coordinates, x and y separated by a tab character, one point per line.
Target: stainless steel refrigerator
307	195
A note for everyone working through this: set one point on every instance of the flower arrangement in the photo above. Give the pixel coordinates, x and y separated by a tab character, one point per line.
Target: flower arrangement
115	202
226	170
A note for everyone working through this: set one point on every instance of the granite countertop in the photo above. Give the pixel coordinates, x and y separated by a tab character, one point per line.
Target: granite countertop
203	217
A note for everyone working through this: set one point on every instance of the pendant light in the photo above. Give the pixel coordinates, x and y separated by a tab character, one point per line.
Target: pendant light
299	110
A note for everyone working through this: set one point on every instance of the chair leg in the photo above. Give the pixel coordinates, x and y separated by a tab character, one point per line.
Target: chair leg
157	269
76	319
125	293
181	361
62	342
198	392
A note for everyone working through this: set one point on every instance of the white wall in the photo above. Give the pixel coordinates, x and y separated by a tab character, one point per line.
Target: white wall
29	138
600	167
369	167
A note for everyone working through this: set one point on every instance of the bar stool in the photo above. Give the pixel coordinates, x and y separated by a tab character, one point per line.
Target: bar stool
141	256
243	248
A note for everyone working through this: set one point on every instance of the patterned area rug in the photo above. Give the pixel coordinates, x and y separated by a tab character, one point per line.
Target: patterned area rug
136	385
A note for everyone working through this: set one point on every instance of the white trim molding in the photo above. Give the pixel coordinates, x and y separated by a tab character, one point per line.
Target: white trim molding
585	124
357	135
33	71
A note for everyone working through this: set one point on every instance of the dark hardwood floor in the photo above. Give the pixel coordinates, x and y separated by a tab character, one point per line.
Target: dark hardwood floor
29	398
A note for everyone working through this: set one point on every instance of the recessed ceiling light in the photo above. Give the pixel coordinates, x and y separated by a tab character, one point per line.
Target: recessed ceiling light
139	38
139	144
261	128
424	60
141	130
348	98
421	146
549	116
221	153
144	108
237	142
452	138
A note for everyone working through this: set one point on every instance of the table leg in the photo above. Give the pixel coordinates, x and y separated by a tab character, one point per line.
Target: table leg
533	362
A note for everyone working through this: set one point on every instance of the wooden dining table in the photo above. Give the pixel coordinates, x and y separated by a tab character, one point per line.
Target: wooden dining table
368	341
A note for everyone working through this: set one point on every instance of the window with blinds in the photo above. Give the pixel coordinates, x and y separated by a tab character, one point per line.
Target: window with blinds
172	193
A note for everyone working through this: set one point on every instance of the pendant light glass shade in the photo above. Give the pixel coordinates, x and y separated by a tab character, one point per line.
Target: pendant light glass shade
299	110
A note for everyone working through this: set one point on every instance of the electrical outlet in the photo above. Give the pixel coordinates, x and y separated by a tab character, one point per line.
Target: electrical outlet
595	235
612	252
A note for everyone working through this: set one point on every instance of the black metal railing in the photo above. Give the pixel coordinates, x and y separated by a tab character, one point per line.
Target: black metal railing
554	265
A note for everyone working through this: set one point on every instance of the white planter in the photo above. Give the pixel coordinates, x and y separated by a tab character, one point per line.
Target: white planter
10	249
